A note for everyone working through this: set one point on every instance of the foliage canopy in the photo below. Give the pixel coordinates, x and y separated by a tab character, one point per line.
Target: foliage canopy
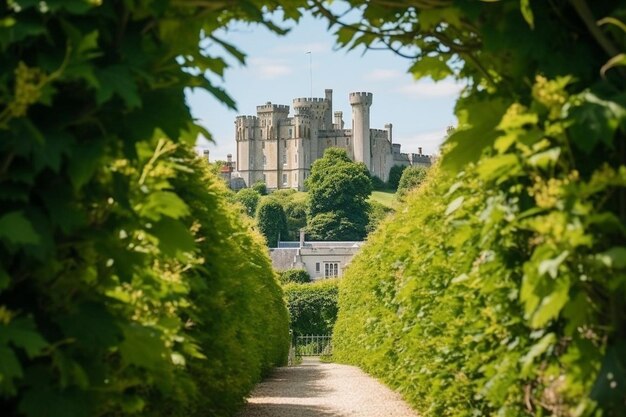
338	193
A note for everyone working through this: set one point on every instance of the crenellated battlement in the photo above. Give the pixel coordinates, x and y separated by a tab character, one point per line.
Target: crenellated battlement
269	107
361	98
246	121
307	101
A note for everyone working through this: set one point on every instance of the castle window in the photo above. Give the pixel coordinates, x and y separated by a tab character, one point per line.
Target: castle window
290	132
295	177
296	158
347	141
331	269
264	160
317	267
263	144
264	178
284	179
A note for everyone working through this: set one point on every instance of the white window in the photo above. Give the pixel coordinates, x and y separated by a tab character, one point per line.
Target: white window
331	269
284	179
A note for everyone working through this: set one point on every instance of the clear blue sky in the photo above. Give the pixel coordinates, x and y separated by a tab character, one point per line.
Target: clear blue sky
278	70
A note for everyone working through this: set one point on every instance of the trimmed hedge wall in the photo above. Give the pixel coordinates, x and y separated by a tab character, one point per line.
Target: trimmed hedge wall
436	304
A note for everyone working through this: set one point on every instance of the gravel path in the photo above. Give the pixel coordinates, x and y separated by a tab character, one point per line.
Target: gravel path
315	389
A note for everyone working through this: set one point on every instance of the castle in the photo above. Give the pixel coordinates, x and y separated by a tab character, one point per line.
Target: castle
279	150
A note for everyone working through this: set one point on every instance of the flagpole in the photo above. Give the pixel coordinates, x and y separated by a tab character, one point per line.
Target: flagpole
311	70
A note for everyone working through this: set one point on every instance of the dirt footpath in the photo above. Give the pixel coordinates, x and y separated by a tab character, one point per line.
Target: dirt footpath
315	389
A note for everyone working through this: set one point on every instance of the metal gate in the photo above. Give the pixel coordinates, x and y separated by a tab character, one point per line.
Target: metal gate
314	345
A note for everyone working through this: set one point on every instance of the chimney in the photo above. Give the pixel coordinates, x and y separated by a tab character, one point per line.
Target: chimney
301	238
419	150
206	154
229	158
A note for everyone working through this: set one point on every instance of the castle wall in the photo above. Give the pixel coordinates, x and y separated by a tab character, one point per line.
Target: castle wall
280	150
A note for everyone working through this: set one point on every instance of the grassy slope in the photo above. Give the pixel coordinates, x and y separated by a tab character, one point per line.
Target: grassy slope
386	198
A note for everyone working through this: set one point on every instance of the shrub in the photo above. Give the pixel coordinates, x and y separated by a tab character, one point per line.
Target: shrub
395	173
249	198
376	213
312	307
260	187
299	276
412	177
271	220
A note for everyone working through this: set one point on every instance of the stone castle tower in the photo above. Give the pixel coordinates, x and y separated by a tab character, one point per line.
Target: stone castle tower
279	150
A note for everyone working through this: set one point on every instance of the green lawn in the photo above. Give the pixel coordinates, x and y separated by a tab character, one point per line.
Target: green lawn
386	198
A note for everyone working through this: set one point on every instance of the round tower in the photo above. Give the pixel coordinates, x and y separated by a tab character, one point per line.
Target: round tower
361	103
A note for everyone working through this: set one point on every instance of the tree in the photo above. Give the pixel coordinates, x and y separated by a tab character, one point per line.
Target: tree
412	177
249	198
271	221
395	173
338	192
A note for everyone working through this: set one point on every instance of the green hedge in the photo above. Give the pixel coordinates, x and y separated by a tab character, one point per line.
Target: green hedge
300	276
436	303
313	306
127	286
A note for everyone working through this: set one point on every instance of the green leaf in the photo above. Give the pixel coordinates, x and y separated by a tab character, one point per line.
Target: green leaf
142	346
478	118
118	80
435	67
499	166
10	369
173	236
618	60
527	13
545	159
17	229
70	372
454	205
84	162
551	304
594	121
163	203
89	316
537	350
551	266
614	257
22	333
